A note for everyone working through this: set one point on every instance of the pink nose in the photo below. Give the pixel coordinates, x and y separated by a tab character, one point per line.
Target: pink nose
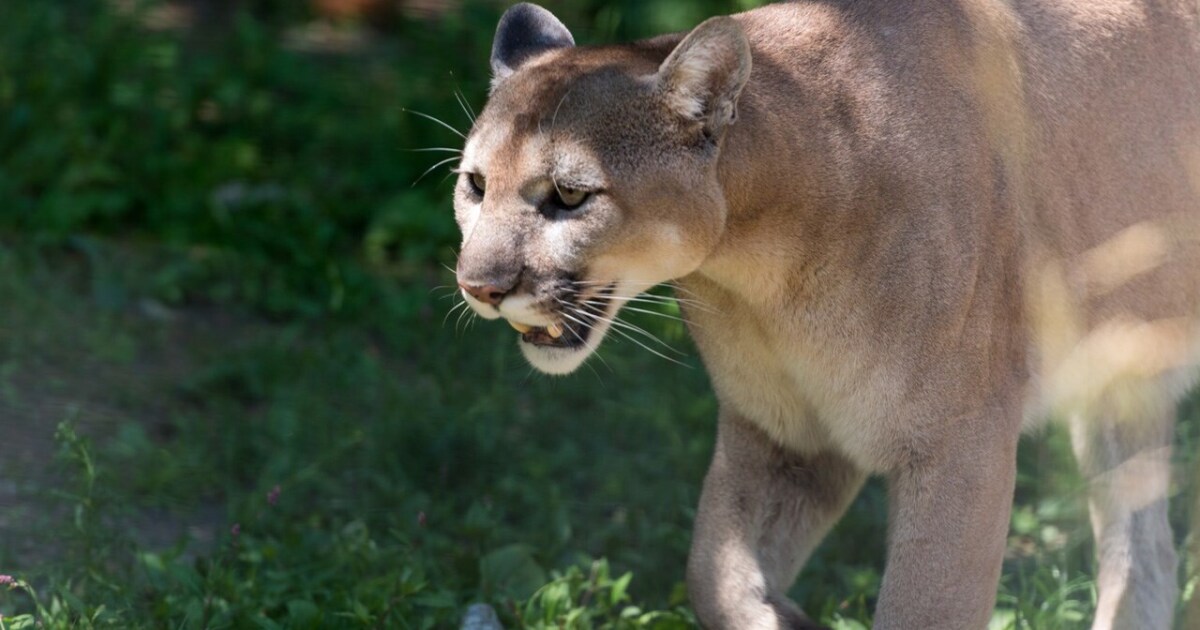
488	294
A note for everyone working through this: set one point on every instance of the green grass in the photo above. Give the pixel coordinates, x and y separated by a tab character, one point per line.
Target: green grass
409	476
420	468
216	279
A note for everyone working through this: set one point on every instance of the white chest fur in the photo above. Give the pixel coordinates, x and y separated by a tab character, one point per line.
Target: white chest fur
808	393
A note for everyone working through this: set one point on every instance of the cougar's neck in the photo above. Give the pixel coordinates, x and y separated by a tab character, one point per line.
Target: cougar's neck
786	196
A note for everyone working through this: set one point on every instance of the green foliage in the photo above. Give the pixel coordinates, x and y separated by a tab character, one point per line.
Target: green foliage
414	478
586	597
265	174
259	170
511	572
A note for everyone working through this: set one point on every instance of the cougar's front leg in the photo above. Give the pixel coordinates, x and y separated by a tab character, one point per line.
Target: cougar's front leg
762	512
949	510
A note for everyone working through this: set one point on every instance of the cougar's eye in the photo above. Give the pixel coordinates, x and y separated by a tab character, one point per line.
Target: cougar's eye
571	198
477	182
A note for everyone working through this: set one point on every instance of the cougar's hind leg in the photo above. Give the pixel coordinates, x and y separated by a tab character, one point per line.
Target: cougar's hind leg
762	512
1124	453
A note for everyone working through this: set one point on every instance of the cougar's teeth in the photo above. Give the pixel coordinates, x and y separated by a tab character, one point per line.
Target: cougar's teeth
521	328
554	330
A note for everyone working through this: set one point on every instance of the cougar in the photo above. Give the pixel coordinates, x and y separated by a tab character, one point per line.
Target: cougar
906	233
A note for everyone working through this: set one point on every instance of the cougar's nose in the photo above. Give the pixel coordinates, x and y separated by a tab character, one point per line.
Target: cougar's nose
483	277
487	293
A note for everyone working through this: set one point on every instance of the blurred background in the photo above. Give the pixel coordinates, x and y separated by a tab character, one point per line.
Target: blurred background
232	392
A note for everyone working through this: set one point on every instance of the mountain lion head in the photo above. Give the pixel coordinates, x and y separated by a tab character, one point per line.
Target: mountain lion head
590	176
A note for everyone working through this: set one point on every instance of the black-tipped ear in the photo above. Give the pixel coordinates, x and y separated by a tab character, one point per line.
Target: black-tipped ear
704	76
525	31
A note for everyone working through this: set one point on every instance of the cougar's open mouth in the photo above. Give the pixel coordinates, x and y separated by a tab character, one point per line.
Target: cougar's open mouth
576	321
557	335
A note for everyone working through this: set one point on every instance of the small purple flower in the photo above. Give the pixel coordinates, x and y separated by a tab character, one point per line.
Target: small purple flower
236	529
6	580
273	495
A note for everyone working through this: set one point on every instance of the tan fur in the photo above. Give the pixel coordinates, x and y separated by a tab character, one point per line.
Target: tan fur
914	230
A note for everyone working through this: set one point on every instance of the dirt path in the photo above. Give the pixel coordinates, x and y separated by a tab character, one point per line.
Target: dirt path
64	358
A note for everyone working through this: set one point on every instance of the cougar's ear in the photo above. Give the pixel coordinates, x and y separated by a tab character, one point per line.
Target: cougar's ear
524	32
703	77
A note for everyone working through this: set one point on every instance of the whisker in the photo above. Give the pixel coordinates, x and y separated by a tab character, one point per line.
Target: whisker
566	313
474	116
448	175
431	168
632	328
441	149
678	288
616	321
458	91
436	120
602	283
694	299
699	306
655	313
458	322
645	296
450	291
648	348
595	372
657	300
451	312
650	297
588	283
462	102
620	323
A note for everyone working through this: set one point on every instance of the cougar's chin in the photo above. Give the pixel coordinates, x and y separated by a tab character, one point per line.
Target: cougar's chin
562	359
